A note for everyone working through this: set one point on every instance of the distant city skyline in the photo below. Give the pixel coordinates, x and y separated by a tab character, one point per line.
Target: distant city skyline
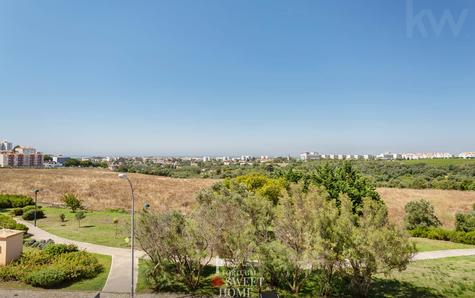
237	77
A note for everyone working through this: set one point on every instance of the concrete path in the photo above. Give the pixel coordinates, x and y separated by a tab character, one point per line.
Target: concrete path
120	277
438	254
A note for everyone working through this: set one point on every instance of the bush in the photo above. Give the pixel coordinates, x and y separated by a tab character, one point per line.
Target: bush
15	201
17	211
48	277
28	208
465	222
20	201
420	214
52	266
59	249
79	264
30	215
9	223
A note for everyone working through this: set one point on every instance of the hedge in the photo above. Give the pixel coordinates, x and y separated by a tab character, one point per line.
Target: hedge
14	201
9	223
53	266
443	234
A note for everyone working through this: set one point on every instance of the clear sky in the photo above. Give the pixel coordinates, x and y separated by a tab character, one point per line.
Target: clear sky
238	77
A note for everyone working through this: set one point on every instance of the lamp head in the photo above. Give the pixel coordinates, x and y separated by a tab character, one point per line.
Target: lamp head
36	190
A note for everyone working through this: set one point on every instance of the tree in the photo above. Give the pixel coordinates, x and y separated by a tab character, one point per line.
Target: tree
288	260
80	216
371	245
178	247
421	214
116	223
72	202
345	180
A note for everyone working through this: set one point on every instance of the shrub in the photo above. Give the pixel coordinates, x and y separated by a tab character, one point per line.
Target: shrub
465	222
52	266
420	214
48	277
17	211
62	217
59	249
9	201
21	201
30	215
28	208
72	202
9	223
79	264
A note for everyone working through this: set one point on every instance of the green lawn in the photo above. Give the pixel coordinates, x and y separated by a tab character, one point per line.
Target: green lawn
447	277
142	285
86	285
423	244
441	162
97	227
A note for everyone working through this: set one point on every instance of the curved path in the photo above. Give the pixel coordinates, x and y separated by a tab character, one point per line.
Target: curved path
120	277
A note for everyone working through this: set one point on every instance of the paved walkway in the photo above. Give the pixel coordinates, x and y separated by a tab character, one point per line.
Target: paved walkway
438	254
120	277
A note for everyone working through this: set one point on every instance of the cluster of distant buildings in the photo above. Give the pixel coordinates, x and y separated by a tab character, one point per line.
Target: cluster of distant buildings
385	156
19	156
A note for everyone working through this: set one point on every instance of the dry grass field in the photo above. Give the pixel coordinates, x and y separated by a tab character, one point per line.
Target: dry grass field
101	189
446	202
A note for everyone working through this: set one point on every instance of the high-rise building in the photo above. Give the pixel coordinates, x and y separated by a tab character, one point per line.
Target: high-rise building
6	146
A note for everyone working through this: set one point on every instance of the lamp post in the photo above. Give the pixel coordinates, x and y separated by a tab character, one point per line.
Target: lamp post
36	191
132	232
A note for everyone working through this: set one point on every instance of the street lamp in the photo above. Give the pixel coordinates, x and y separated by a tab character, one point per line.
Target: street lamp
132	232
36	191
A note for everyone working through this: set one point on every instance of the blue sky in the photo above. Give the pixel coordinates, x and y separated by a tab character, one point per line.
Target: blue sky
237	77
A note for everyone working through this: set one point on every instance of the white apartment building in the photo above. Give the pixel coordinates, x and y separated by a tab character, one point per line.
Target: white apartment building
389	156
310	156
427	155
467	155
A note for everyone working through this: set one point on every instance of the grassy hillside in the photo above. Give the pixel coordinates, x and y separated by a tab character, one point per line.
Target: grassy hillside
101	189
446	202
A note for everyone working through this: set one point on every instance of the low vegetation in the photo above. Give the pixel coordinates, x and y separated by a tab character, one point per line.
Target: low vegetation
6	222
457	174
14	201
52	266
